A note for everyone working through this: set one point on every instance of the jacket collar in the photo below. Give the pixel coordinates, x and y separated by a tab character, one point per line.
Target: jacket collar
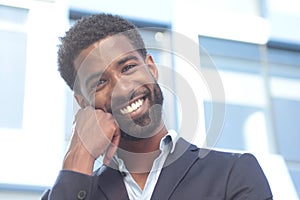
176	166
112	185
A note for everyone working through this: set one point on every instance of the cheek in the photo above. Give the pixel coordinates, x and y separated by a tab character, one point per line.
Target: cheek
144	76
101	101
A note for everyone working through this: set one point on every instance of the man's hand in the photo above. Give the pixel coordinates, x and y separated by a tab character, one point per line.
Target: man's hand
94	133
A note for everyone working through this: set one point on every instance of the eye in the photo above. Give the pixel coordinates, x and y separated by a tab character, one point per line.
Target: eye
100	82
128	67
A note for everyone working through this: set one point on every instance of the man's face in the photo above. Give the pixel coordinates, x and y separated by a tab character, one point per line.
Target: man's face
115	78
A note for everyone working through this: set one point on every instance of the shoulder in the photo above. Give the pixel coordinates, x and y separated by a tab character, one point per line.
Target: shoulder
214	160
213	154
223	156
209	155
239	174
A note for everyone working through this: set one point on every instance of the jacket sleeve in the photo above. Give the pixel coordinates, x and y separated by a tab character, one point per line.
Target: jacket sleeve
247	180
70	186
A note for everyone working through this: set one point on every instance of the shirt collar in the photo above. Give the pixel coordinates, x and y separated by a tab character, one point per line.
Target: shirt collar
171	138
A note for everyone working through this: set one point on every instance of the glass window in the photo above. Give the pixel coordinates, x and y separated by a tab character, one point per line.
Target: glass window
12	65
284	63
284	67
295	174
262	85
234	133
287	115
239	66
230	55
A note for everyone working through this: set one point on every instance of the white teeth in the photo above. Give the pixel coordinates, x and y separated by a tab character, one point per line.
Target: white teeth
132	107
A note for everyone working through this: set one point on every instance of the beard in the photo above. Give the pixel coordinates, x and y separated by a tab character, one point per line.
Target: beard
145	125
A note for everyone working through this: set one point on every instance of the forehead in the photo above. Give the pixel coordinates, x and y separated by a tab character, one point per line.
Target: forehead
104	52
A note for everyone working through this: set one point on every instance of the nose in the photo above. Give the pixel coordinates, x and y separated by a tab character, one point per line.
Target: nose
121	92
122	86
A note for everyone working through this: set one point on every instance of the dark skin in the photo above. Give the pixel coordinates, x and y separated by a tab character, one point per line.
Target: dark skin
122	71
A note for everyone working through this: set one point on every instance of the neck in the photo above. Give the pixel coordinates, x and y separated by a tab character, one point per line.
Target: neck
139	155
145	145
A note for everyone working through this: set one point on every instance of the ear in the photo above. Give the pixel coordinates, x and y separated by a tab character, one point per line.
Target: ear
80	100
152	67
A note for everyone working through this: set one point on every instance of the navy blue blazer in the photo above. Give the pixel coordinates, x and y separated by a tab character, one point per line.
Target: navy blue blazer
190	173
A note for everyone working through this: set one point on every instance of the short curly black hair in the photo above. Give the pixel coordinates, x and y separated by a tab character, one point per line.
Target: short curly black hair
89	30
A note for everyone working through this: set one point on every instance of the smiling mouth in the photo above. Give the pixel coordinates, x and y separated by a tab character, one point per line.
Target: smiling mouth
132	107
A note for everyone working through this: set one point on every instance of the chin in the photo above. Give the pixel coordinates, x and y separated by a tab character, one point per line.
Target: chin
143	127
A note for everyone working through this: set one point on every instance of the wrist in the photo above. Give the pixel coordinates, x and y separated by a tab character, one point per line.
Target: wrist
79	160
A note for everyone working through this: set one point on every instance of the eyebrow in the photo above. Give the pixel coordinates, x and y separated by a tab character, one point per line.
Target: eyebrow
125	59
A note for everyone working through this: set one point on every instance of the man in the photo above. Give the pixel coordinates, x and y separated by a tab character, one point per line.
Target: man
103	59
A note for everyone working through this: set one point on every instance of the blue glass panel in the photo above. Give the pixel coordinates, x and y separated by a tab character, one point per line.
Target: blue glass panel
235	117
284	56
230	48
230	55
12	78
12	65
295	174
287	118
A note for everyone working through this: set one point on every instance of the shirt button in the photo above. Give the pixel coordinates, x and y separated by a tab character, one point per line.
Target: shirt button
81	195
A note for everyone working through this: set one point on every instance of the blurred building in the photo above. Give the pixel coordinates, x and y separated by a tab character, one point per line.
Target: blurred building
253	44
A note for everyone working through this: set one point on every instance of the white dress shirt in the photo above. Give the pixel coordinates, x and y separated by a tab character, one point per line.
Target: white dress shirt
167	145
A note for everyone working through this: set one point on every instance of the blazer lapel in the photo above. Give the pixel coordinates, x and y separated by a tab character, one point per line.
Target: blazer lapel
112	185
176	166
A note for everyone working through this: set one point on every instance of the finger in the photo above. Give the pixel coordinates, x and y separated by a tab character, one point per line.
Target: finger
111	150
113	146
